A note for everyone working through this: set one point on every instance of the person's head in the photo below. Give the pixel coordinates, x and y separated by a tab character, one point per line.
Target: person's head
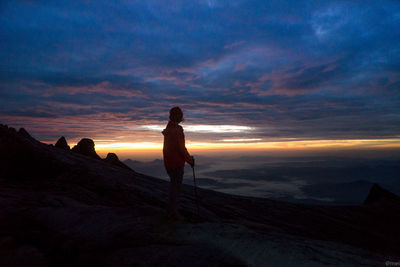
176	115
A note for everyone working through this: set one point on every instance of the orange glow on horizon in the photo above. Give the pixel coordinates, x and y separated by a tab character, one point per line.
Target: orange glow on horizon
256	146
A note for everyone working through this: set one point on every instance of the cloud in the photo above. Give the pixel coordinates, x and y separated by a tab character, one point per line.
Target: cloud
286	68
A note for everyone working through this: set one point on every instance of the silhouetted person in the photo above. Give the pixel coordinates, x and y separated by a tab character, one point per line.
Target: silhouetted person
175	155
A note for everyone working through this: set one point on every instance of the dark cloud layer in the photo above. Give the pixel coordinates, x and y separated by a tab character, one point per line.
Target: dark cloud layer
323	69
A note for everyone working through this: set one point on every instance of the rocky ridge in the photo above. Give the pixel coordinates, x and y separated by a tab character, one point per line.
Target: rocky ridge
60	208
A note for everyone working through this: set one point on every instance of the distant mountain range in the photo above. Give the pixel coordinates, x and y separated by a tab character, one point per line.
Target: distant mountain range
63	207
309	180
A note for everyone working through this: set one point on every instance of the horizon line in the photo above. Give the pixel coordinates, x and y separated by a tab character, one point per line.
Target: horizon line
334	144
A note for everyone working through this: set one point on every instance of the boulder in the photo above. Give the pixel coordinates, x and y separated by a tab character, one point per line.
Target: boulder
112	158
86	147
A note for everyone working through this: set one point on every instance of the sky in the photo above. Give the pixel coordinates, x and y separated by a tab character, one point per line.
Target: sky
248	75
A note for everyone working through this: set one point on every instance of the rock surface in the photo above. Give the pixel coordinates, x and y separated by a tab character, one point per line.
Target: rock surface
381	197
24	133
86	147
112	158
59	208
62	143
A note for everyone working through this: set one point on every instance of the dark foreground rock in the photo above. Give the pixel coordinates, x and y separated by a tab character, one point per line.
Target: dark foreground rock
59	208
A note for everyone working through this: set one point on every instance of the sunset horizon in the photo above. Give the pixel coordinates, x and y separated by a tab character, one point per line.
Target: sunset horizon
199	133
149	145
261	76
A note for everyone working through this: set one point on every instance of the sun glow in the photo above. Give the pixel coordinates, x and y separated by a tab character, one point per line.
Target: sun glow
256	144
241	140
130	146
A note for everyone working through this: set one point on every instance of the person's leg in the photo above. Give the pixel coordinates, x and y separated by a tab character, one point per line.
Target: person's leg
172	198
176	176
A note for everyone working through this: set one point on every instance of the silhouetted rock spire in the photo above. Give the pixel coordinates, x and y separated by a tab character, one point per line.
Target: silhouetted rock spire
113	159
24	133
62	143
381	197
86	147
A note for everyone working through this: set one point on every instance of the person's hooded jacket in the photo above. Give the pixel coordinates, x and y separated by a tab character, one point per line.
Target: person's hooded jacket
174	151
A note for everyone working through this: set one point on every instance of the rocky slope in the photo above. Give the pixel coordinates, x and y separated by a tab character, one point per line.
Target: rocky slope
61	208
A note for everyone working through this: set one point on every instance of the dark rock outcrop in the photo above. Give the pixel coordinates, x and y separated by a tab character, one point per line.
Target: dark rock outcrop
112	158
62	143
86	147
24	133
379	196
23	158
12	130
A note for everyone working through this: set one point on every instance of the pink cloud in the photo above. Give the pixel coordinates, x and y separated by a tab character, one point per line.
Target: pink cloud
234	44
240	66
103	87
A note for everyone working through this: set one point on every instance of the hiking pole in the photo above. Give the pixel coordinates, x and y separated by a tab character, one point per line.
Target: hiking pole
195	191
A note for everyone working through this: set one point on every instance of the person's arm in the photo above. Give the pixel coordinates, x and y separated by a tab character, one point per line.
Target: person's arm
182	148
